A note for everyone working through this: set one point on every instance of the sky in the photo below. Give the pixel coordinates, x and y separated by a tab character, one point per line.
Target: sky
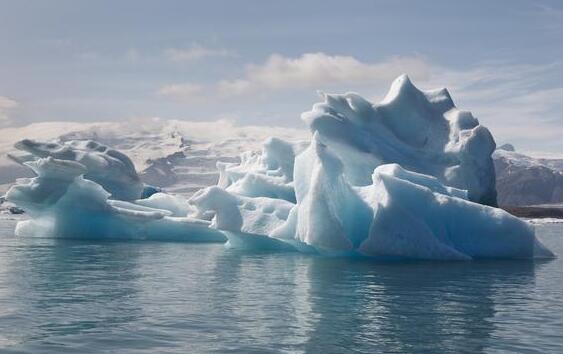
262	62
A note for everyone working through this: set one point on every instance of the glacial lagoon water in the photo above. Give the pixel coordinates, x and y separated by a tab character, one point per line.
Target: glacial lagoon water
69	296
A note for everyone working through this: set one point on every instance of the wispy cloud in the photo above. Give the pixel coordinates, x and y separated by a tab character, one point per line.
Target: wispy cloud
318	70
196	52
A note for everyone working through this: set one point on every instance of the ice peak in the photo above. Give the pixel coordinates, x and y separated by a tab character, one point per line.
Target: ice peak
401	86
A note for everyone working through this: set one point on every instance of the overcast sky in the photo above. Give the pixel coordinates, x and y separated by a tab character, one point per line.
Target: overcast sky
261	62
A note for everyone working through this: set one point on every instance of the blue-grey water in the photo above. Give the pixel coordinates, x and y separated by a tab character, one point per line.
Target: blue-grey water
68	296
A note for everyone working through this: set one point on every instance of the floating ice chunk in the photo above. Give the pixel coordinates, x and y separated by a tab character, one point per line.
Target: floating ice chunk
109	168
394	180
422	131
64	204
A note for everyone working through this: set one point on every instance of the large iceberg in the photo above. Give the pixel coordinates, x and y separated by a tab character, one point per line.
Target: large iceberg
400	215
409	178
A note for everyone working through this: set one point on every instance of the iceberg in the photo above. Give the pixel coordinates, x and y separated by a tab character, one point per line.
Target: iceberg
409	178
401	215
109	168
62	203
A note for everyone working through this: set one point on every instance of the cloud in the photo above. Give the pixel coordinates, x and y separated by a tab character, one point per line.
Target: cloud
308	71
183	91
196	52
319	70
6	104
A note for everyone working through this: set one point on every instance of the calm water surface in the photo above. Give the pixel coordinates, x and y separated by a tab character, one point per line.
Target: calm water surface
64	296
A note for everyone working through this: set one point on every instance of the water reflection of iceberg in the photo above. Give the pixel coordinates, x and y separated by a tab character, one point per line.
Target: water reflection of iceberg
410	307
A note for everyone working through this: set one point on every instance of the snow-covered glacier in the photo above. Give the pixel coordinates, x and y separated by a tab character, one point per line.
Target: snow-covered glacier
408	178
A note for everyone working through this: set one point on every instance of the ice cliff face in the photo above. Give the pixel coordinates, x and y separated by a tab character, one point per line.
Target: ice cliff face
422	131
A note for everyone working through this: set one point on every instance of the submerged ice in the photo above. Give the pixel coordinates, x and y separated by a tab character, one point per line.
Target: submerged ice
408	178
